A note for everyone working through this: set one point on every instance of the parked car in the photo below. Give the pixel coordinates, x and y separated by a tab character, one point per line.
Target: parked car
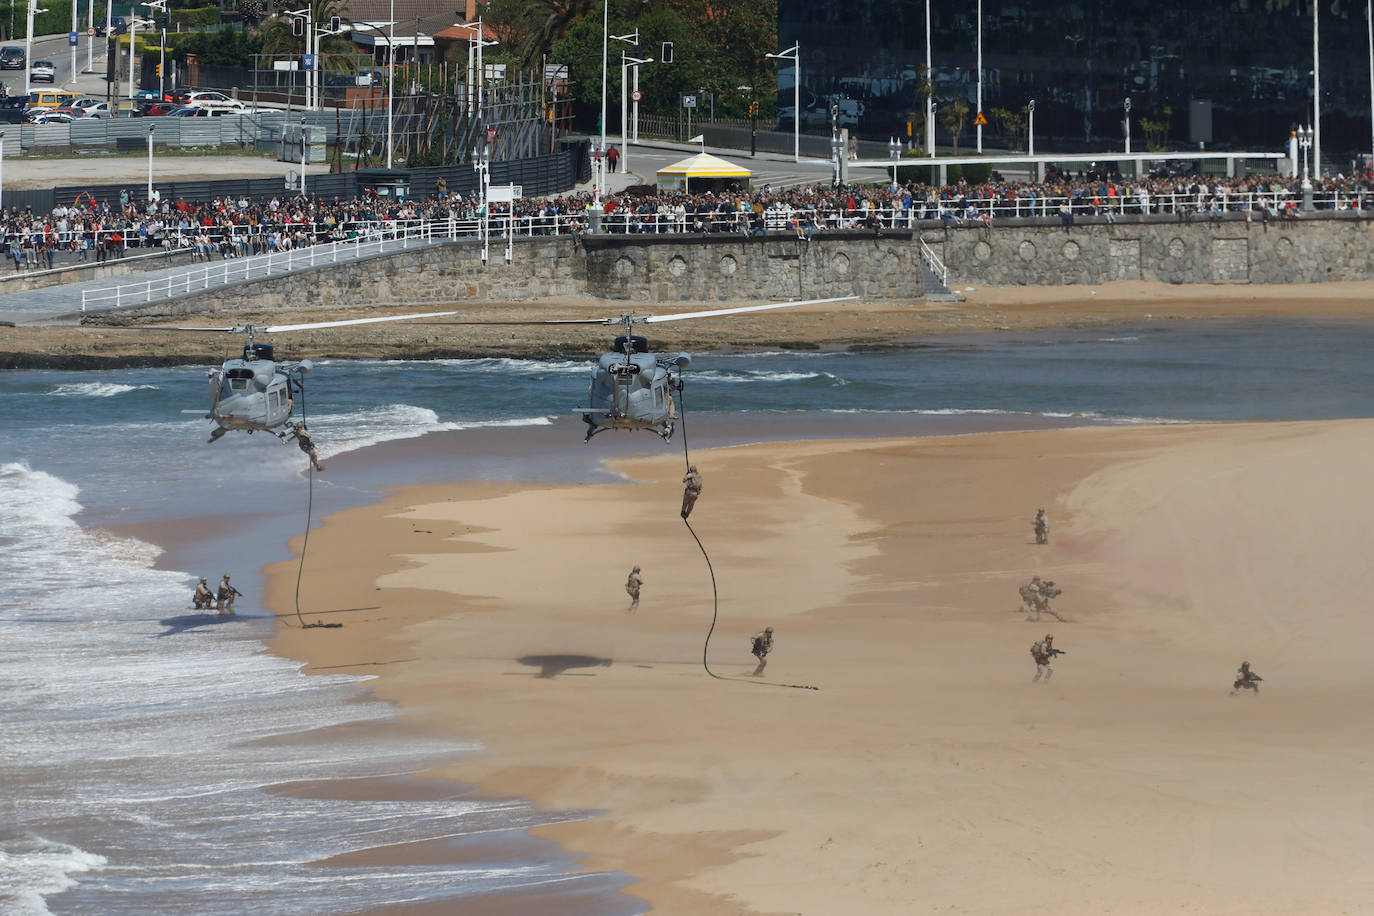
12	58
118	25
98	110
153	109
215	101
190	112
49	116
12	109
42	71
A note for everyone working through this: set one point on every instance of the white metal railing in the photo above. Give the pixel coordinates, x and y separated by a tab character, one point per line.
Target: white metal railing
933	262
295	245
234	270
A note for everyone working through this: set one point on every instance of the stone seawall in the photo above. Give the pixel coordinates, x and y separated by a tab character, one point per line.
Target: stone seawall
732	267
1309	250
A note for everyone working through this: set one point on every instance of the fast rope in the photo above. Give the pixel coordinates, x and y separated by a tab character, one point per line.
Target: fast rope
305	544
715	593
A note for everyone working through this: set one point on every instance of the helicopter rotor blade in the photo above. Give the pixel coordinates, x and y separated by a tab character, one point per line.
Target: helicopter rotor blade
513	322
279	328
713	313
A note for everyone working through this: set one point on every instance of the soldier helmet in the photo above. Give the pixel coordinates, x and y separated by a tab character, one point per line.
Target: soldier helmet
1035	578
768	629
1041	509
226	575
1049	637
1245	664
636	569
202	578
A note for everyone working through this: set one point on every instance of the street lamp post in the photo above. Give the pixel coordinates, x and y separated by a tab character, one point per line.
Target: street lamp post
601	151
90	37
1030	128
979	122
305	145
2	173
161	7
1127	123
894	152
1305	142
1316	130
151	129
72	44
625	63
33	10
794	54
930	89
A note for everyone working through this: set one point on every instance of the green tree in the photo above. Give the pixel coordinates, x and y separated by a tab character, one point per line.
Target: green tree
954	115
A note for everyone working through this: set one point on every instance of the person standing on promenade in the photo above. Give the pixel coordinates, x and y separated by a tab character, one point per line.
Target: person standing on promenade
632	585
691	490
762	645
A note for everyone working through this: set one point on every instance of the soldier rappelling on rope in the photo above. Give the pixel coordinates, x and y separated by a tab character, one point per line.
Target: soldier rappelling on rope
691	482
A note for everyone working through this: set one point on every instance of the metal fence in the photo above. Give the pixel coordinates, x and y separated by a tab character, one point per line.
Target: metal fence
540	176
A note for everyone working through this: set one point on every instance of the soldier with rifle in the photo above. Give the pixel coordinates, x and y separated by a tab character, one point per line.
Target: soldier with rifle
1246	680
1041	526
225	596
1044	652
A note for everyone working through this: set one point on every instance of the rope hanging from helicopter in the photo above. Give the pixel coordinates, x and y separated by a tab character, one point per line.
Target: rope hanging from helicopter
305	543
715	592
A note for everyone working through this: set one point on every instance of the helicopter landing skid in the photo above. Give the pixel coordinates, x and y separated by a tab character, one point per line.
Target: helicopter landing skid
215	434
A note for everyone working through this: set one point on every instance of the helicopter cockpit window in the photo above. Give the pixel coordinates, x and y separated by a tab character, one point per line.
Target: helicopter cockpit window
238	378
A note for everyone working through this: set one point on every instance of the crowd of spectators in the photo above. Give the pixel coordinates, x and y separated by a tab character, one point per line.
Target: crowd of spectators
230	228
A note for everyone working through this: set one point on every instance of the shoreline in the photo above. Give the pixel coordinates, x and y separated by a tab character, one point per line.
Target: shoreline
869	794
857	325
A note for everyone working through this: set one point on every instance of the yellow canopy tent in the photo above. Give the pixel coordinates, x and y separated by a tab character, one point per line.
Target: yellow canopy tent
701	172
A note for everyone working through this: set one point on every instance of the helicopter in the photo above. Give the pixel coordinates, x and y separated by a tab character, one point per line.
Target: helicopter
255	392
632	388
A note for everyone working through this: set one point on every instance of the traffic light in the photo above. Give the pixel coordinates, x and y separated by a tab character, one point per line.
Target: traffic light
164	21
753	109
667	55
297	26
334	23
158	68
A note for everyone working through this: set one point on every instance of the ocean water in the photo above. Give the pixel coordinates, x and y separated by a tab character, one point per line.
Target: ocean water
161	761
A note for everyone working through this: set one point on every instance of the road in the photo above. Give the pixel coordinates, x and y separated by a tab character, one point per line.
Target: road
56	49
773	169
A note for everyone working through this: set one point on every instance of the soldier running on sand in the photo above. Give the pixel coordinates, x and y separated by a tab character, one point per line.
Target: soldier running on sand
224	602
632	585
762	645
203	597
1044	652
1041	526
1246	680
307	445
691	490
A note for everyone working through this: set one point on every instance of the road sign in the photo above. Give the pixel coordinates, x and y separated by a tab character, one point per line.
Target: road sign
308	61
72	38
689	101
90	32
980	121
636	96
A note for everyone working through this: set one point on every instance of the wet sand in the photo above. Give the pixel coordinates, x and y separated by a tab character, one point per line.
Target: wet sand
926	772
850	324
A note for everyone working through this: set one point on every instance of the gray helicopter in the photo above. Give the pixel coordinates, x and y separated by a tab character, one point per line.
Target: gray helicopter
632	388
255	392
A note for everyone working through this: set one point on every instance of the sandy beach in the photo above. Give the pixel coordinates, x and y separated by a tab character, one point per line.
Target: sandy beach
926	772
859	323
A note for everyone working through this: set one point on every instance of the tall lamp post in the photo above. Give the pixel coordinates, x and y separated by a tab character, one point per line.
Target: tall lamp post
1305	142
1126	123
979	122
627	61
151	129
601	150
930	89
2	173
90	38
33	10
794	54
160	6
1030	128
390	85
1316	130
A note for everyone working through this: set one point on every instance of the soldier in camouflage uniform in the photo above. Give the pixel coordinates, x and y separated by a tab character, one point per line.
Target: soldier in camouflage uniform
632	585
691	490
1246	680
1044	652
762	645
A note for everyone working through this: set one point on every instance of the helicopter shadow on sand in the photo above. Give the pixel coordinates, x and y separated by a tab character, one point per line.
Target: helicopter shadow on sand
551	666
